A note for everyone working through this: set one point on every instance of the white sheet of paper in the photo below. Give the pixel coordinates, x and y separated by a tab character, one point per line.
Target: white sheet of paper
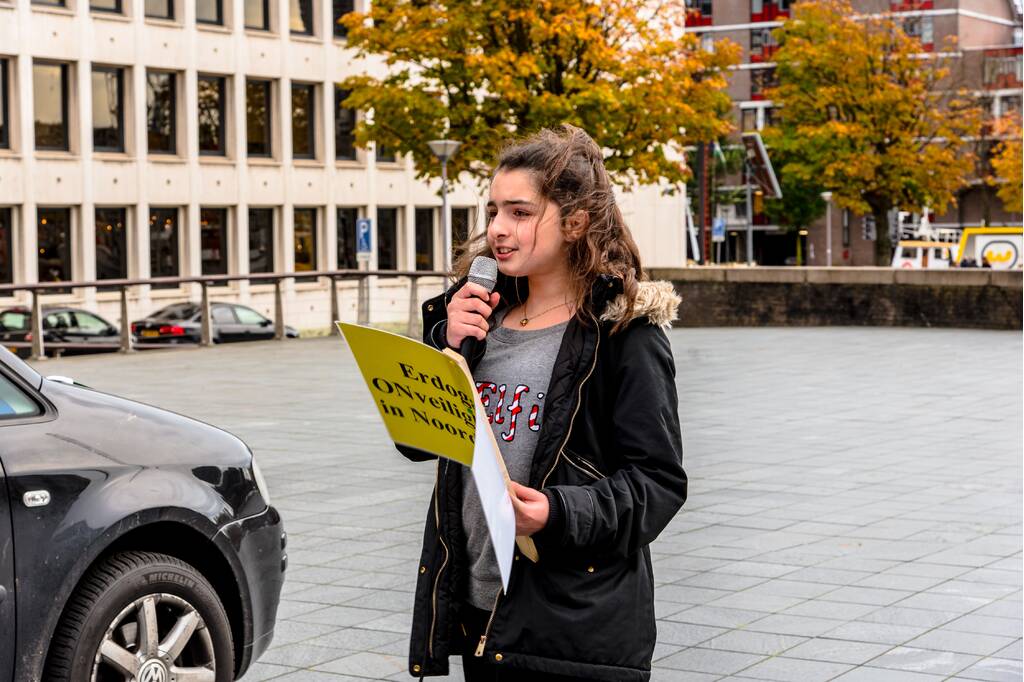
497	506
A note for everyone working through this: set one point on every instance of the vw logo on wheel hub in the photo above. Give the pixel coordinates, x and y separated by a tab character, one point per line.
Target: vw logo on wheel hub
153	671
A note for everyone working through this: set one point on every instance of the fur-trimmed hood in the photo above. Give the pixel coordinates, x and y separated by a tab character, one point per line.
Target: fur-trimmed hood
657	301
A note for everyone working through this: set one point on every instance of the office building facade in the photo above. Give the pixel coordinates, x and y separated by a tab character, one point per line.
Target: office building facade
147	138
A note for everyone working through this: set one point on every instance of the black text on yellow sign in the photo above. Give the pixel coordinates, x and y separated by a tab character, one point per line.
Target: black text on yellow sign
423	396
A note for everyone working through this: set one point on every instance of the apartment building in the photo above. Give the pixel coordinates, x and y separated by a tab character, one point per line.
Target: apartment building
146	138
988	47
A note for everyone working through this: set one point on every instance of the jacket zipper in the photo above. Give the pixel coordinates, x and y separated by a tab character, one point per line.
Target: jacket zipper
579	400
585	467
437	578
483	638
579	397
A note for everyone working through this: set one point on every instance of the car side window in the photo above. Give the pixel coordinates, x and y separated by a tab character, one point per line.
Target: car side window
14	403
58	321
248	315
90	324
223	315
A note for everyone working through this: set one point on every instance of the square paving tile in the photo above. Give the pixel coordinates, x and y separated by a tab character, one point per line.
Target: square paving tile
795	670
710	661
924	661
837	650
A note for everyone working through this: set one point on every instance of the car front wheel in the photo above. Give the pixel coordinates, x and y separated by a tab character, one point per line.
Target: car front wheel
143	617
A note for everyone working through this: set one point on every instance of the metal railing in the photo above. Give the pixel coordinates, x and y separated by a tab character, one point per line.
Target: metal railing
127	344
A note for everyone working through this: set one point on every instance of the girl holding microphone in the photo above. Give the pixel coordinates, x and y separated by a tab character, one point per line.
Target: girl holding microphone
578	380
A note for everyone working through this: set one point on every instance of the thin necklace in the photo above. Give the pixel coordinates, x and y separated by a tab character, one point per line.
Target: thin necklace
526	318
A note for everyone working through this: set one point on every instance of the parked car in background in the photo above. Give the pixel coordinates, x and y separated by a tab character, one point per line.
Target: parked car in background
61	325
183	323
135	543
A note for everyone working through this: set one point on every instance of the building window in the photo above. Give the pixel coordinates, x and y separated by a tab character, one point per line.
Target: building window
107	109
261	240
6	247
160	9
300	19
460	231
387	238
305	241
698	13
257	15
1002	68
762	45
347	218
163	244
748	119
1009	104
257	117
113	6
161	130
213	240
385	155
769	10
54	236
846	227
111	243
344	127
50	3
424	239
341	8
5	120
303	120
921	28
50	97
210	12
761	80
211	100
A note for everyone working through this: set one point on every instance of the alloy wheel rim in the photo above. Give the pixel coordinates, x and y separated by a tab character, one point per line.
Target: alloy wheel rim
156	638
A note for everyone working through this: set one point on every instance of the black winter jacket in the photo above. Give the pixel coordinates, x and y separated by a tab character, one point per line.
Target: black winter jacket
609	457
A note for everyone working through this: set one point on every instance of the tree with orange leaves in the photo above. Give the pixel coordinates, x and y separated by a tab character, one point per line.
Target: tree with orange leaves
1007	162
866	113
622	70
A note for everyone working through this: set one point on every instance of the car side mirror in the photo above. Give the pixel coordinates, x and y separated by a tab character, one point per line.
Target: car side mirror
266	323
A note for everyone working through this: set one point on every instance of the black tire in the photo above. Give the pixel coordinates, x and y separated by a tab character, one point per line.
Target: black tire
113	585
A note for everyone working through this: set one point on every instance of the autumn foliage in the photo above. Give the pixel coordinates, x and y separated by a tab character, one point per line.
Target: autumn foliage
482	72
1007	163
866	113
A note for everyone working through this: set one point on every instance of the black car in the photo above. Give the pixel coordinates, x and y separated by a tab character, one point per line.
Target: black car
183	323
135	543
60	325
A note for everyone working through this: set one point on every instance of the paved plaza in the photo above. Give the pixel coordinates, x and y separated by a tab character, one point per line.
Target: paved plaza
854	512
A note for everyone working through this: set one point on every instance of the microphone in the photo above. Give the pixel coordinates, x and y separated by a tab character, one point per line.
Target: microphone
483	271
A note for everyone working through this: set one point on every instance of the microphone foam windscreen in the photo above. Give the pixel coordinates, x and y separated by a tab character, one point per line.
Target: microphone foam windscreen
484	271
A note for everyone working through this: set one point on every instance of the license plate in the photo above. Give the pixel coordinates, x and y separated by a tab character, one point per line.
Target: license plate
150	333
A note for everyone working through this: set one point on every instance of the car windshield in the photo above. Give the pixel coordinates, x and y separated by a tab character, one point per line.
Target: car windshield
178	311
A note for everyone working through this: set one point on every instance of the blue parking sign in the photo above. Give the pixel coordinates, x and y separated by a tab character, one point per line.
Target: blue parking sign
718	230
363	227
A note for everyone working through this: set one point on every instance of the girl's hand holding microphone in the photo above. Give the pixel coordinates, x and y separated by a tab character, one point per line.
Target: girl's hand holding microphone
468	312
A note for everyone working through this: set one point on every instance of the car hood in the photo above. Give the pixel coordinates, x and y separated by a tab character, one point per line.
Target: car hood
133	433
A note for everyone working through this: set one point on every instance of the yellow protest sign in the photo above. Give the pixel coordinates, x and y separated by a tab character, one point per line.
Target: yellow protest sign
424	397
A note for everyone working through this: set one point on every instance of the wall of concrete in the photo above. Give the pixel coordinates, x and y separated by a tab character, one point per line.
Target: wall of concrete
806	297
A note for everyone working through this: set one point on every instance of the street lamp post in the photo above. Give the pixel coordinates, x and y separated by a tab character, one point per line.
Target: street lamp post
827	196
444	150
750	212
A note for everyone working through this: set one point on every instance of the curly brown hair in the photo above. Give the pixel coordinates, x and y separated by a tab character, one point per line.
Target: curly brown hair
568	168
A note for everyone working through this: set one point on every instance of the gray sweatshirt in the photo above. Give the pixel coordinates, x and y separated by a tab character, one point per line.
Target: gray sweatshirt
512	379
